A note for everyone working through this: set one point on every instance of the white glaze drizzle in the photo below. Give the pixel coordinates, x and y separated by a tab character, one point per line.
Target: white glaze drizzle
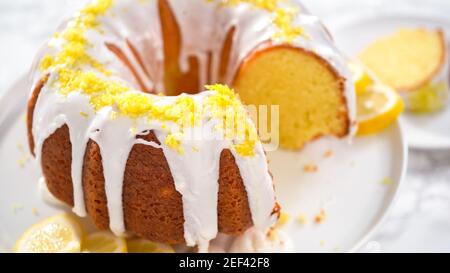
193	173
196	172
115	140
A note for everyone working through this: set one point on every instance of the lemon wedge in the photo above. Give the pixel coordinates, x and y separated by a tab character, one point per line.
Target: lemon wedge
104	242
377	107
361	78
144	246
58	234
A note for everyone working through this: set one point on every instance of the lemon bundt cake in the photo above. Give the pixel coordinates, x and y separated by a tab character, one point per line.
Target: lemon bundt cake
118	140
415	62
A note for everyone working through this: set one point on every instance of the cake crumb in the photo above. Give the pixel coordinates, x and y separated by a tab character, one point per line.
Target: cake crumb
310	168
320	217
19	146
84	114
195	149
302	219
322	243
272	234
284	218
386	181
23	161
328	153
35	211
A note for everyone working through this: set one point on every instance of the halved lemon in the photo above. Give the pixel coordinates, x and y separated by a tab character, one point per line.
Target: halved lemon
378	107
58	234
104	242
361	78
144	246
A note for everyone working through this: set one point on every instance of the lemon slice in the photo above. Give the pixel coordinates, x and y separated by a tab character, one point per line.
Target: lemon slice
378	107
144	246
104	242
361	78
58	234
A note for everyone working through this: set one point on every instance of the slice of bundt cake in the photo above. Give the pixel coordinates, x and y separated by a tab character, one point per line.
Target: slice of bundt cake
309	92
414	61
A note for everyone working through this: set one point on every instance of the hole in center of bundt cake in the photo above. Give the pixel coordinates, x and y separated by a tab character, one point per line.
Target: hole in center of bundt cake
174	79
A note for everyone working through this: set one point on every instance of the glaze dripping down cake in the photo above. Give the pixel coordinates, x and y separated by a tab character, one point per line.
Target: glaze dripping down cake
124	136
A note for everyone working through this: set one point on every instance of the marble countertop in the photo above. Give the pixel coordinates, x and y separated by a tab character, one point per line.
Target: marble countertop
420	218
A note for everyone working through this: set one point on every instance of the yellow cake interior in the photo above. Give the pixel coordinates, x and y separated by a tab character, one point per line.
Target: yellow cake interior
407	59
308	92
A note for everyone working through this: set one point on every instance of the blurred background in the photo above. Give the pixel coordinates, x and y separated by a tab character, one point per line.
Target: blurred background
420	218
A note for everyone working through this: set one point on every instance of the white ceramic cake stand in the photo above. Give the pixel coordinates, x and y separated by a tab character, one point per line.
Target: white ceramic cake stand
355	184
354	24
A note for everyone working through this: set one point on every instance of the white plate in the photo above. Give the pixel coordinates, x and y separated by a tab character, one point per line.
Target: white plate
358	23
347	185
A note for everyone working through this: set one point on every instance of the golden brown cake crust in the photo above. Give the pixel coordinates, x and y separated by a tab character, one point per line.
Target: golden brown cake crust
153	208
233	210
56	162
93	183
